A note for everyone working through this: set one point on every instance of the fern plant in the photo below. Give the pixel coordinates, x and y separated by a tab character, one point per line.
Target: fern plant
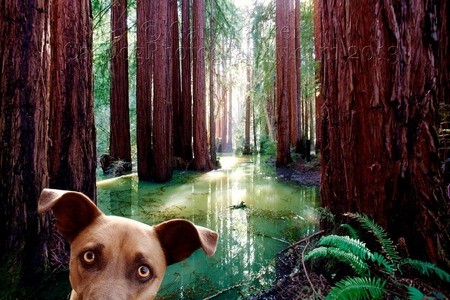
358	288
380	234
426	268
355	262
373	269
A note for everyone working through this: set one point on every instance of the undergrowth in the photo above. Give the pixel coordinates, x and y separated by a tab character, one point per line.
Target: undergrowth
380	272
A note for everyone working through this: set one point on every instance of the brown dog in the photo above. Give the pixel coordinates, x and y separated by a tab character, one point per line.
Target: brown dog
118	258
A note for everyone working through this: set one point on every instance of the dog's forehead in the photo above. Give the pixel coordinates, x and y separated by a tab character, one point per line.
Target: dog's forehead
117	232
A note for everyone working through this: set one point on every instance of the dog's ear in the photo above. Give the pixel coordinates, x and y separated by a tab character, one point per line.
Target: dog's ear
180	238
73	211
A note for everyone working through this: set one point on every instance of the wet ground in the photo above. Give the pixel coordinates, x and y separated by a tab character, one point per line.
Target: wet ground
256	209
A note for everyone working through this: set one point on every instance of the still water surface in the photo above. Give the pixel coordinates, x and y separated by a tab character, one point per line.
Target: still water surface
276	213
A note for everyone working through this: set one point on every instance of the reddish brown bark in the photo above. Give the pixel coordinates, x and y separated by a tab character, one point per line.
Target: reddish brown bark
300	135
212	114
178	111
119	144
282	84
318	55
443	21
186	81
162	126
202	159
293	74
144	71
72	155
379	146
24	88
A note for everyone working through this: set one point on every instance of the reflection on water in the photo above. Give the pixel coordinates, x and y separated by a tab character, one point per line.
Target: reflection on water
275	214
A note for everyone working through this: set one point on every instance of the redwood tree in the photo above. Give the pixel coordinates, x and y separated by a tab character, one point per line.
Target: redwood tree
247	149
178	112
162	128
186	82
144	71
224	118
202	159
318	53
441	23
293	75
212	114
379	145
282	81
120	147
72	155
24	82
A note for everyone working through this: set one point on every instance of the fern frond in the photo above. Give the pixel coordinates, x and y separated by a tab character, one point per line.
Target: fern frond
346	244
414	294
426	268
316	253
358	288
351	231
385	242
355	262
380	260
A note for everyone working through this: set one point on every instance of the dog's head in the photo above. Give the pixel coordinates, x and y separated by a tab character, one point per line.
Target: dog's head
118	258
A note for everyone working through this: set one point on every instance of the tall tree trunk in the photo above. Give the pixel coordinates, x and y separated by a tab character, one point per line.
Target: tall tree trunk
247	149
174	60
255	145
120	147
379	146
224	91
230	109
282	88
24	89
224	133
293	75
72	152
144	78
186	81
162	126
270	113
300	135
312	124
318	55
212	124
202	159
444	53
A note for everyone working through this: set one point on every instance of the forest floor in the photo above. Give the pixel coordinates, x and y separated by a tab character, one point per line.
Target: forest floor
296	279
293	280
301	172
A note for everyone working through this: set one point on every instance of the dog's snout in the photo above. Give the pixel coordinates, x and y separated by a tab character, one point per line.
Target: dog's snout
116	290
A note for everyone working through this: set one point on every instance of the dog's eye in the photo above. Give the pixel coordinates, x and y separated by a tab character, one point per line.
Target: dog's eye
144	273
89	257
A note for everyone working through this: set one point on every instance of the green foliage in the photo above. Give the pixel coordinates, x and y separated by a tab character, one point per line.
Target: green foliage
267	146
426	268
415	294
354	261
375	269
385	242
352	231
358	288
346	244
381	261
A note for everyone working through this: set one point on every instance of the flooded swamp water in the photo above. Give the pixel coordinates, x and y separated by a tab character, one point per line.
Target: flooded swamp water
255	214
